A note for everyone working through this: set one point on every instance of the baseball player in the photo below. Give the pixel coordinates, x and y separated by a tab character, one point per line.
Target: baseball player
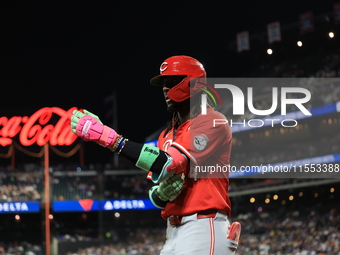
196	205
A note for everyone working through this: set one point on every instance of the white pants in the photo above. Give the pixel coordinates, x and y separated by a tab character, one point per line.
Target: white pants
207	236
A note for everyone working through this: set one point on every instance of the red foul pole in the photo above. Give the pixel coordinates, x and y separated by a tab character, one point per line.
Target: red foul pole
47	199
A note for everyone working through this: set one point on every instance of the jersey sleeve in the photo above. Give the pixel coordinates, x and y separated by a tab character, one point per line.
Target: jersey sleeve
208	138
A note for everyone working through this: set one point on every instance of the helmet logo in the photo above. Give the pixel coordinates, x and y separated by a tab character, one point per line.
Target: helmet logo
162	69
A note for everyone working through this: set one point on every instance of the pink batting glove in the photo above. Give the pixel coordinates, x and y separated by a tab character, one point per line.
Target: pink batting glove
91	129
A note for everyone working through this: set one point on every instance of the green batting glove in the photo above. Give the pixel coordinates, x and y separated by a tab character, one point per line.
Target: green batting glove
156	201
170	188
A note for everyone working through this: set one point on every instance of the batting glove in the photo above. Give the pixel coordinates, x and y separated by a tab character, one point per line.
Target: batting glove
170	188
166	191
90	128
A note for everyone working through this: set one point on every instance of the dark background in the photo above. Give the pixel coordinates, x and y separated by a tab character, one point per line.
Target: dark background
76	53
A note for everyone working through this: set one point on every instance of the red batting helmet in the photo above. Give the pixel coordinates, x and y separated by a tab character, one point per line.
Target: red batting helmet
182	65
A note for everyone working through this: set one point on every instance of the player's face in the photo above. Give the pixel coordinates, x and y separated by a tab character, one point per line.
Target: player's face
169	82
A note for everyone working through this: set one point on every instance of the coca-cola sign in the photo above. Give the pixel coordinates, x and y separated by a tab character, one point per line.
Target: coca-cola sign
37	128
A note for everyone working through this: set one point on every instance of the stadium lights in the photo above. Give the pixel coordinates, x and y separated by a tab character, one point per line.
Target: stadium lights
300	194
275	197
17	217
267	200
117	214
50	217
252	200
331	35
291	197
299	43
332	190
316	194
269	51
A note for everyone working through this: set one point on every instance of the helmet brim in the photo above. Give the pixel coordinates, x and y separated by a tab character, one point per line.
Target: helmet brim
156	80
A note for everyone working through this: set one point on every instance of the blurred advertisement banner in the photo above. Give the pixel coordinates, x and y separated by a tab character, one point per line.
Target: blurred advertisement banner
274	32
306	22
242	41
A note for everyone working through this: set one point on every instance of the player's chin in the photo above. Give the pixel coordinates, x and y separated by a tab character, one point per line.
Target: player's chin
172	106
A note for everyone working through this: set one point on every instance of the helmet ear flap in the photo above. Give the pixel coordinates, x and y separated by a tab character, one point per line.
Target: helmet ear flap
196	83
192	83
181	91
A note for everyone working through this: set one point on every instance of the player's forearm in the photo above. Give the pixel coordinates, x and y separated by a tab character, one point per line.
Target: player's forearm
162	164
133	150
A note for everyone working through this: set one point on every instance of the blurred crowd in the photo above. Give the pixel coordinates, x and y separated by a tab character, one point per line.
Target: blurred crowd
20	187
23	248
74	187
292	233
309	231
298	231
146	241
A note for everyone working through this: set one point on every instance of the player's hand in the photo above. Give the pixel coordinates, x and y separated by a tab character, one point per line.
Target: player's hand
170	188
89	127
78	115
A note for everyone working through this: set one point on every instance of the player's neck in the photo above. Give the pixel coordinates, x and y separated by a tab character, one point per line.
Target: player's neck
187	111
183	116
183	111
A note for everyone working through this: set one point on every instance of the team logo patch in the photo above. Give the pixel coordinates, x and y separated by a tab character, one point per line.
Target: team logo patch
200	142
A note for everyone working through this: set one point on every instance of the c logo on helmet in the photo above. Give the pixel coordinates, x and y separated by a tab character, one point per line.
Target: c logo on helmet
162	69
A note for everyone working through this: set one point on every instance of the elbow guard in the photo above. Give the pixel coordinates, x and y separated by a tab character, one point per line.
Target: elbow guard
162	164
176	164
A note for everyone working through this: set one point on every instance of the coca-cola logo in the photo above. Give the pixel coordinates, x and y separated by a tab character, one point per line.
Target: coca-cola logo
36	129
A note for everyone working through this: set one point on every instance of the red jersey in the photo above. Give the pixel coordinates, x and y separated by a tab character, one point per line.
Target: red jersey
206	144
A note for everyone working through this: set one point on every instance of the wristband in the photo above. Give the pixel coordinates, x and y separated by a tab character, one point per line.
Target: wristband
121	145
115	145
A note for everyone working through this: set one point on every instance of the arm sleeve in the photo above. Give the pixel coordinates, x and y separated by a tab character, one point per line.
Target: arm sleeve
132	150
